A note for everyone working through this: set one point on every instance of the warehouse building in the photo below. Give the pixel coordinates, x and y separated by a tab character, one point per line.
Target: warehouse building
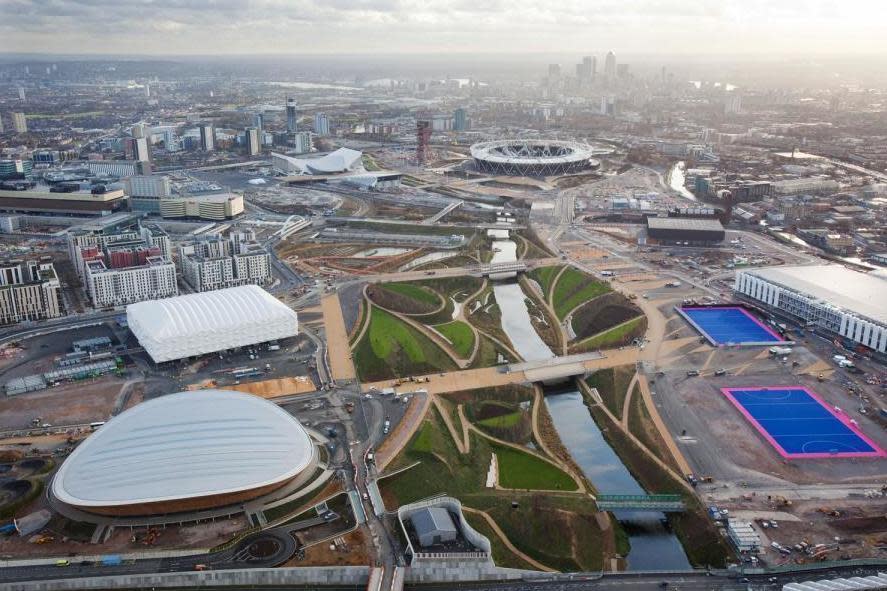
44	201
186	452
200	323
695	231
830	298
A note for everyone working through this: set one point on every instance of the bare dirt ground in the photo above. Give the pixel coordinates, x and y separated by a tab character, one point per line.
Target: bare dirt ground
277	387
78	402
355	552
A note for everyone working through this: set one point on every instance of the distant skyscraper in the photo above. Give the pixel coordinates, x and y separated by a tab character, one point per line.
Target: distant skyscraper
586	69
19	123
732	104
1	123
301	141
251	135
259	123
21	93
460	120
321	124
147	90
610	65
138	130
554	70
207	137
291	117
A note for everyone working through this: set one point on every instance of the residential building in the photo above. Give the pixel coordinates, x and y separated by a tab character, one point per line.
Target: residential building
217	263
19	123
207	137
109	287
251	139
460	120
292	119
321	124
28	291
301	142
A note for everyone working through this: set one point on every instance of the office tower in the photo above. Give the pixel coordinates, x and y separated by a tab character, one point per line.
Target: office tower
21	93
1	123
251	135
622	70
554	71
321	124
259	123
291	118
147	90
138	130
207	137
460	120
610	65
19	123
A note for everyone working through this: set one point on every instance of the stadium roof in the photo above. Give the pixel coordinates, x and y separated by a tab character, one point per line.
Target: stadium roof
185	445
195	324
698	224
862	293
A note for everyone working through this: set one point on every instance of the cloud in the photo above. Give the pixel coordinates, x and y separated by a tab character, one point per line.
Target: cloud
398	26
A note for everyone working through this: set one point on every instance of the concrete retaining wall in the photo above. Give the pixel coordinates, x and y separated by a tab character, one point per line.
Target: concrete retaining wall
345	575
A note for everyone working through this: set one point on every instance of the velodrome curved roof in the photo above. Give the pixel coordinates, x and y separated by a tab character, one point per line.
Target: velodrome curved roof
185	445
195	324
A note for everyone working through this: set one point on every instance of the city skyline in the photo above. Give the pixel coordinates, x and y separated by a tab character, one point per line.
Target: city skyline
186	27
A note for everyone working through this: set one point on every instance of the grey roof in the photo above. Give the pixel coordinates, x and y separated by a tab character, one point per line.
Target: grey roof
862	293
432	519
706	224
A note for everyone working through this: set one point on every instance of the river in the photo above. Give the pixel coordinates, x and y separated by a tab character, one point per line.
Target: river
676	178
653	547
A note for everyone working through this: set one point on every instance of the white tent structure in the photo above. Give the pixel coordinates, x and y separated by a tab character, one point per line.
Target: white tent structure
200	323
342	160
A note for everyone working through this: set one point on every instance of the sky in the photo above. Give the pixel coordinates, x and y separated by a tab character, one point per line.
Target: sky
760	28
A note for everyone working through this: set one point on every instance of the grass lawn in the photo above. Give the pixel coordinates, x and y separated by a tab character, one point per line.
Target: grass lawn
555	528
612	385
414	291
460	335
573	288
617	336
392	348
502	556
544	276
503	421
524	471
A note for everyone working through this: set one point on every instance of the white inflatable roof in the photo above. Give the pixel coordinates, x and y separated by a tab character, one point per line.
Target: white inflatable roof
195	324
185	445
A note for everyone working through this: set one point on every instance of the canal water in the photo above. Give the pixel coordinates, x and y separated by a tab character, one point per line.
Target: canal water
653	546
676	178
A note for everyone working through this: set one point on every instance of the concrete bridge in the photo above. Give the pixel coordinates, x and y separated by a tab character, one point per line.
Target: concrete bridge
663	503
500	269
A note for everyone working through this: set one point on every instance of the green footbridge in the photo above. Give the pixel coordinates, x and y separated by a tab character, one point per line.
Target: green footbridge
663	503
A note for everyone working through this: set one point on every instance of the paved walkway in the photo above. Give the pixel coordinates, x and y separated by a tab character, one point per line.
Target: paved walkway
341	364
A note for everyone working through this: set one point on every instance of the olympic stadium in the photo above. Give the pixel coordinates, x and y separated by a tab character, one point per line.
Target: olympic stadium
176	456
533	157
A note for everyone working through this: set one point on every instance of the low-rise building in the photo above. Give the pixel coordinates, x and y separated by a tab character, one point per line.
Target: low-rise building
213	206
28	291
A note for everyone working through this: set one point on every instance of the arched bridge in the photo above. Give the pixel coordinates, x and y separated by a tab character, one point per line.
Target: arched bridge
664	503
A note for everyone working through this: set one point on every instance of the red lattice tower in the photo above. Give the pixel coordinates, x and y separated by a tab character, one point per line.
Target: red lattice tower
423	136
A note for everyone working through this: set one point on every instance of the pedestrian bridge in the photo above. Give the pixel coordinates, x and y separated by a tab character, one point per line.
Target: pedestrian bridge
499	268
664	503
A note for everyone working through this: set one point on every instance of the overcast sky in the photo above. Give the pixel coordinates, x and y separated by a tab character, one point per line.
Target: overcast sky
648	27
